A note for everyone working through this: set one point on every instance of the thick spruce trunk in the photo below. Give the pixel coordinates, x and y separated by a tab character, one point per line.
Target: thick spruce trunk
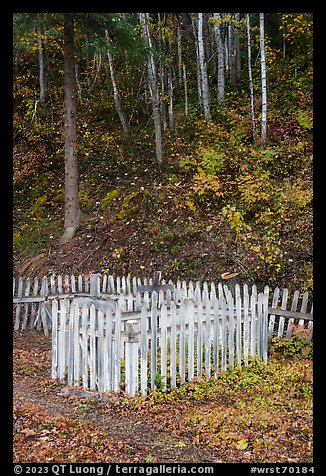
72	210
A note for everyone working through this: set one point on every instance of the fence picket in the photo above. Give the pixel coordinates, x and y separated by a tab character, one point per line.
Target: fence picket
182	367
86	283
245	324
272	316
216	337
199	338
238	305
190	312
208	339
73	284
92	348
71	347
265	328
153	343
173	346
293	308
67	284
108	356
117	350
163	346
230	303
76	328
143	351
59	282
304	304
54	370
220	291
52	284
100	353
26	294
253	320
62	339
197	293
223	334
80	283
123	285
212	294
190	293
259	325
84	362
283	308
18	306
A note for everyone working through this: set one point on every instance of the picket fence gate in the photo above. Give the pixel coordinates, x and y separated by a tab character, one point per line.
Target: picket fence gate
105	348
33	299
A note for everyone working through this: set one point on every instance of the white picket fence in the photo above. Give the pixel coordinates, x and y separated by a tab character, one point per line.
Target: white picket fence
33	298
104	347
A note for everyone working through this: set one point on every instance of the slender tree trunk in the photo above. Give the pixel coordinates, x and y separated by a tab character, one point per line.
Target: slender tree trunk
263	79
88	78
98	62
116	95
283	39
163	96
170	94
232	55
72	210
41	67
180	62
226	51
152	75
163	77
220	60
185	88
251	86
79	90
203	68
237	46
199	80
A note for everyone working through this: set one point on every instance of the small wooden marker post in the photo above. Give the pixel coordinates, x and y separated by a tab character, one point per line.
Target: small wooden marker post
132	344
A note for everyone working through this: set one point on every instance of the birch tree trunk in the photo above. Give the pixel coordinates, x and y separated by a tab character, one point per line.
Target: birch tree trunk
116	95
180	62
153	87
163	78
72	210
226	51
170	94
237	46
220	60
232	55
185	88
203	69
251	86
163	100
263	79
41	67
199	81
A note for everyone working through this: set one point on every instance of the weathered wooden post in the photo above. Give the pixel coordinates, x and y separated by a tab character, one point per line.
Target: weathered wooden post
132	344
94	284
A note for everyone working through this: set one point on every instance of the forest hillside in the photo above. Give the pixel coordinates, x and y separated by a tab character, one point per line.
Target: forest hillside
172	141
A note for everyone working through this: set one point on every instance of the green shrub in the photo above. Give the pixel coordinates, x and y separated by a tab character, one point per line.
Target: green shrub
299	346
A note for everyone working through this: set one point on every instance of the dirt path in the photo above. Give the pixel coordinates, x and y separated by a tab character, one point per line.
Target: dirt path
132	429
